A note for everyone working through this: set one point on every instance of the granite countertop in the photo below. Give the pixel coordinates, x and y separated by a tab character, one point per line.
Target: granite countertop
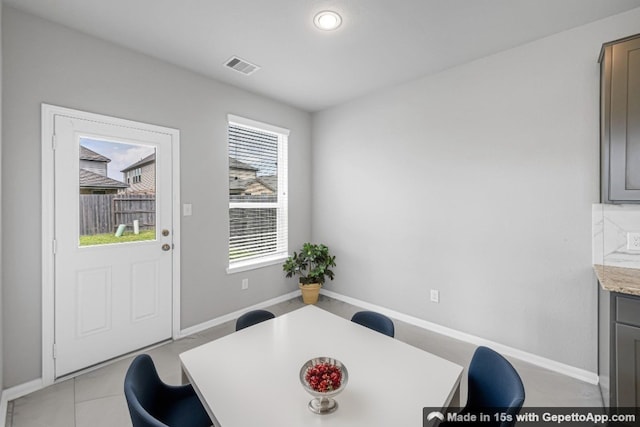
618	279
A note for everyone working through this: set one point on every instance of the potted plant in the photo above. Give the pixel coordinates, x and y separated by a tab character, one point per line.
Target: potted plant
313	264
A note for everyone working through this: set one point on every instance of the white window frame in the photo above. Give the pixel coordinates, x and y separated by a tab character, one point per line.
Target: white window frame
281	205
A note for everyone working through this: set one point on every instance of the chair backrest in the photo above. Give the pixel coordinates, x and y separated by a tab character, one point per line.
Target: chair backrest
252	317
494	383
376	321
142	389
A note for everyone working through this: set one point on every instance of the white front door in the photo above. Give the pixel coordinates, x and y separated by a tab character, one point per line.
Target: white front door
113	237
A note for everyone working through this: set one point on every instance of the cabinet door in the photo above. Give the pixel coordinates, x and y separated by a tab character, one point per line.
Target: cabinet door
624	125
627	366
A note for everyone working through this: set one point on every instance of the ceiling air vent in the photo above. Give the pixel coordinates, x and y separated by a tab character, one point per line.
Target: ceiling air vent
241	66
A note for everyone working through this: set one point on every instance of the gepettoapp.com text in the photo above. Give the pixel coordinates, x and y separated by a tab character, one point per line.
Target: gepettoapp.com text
546	417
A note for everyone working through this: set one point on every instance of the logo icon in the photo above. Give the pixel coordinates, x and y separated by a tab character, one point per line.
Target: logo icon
435	414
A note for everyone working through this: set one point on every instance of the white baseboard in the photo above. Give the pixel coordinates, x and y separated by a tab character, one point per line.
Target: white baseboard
231	316
3	409
552	365
16	392
20	390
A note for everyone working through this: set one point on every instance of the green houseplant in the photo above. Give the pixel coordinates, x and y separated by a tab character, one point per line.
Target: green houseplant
313	264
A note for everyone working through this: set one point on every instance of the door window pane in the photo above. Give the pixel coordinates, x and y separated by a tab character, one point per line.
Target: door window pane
117	191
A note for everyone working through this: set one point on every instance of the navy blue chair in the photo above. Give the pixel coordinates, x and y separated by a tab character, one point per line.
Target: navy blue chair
252	317
153	403
376	321
494	386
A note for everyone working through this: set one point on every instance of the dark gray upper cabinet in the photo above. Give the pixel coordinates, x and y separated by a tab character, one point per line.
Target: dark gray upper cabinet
620	121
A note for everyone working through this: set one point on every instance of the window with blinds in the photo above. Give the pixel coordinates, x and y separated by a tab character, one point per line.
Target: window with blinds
257	193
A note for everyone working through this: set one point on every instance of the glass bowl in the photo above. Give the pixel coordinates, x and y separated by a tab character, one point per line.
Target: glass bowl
323	402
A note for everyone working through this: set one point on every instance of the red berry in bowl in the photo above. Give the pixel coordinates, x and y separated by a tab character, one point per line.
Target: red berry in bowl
324	377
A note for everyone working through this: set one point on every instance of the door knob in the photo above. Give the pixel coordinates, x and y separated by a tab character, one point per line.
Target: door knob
165	232
166	247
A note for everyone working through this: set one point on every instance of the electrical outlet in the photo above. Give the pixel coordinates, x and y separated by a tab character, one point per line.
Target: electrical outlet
187	209
435	295
245	284
633	241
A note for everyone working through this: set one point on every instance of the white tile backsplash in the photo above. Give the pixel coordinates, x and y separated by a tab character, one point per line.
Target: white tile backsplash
610	225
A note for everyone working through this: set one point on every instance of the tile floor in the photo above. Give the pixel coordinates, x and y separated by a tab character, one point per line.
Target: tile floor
96	399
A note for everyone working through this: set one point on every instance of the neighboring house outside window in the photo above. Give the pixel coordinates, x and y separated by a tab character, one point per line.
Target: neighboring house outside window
141	176
258	218
93	174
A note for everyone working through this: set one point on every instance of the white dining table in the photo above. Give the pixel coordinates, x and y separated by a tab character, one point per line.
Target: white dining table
250	378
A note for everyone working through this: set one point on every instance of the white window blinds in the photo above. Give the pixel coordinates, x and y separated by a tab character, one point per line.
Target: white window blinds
257	192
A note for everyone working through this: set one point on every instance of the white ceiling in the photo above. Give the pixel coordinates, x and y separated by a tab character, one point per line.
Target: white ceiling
380	43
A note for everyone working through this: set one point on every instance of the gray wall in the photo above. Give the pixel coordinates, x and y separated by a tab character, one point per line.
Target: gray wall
477	181
44	62
1	310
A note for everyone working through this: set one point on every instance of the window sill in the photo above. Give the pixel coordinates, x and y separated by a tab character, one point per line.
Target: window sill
256	263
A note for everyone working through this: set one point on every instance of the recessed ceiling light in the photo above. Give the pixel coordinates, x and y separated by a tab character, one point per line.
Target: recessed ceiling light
327	20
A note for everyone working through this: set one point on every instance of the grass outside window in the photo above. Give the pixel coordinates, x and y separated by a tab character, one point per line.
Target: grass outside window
110	238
